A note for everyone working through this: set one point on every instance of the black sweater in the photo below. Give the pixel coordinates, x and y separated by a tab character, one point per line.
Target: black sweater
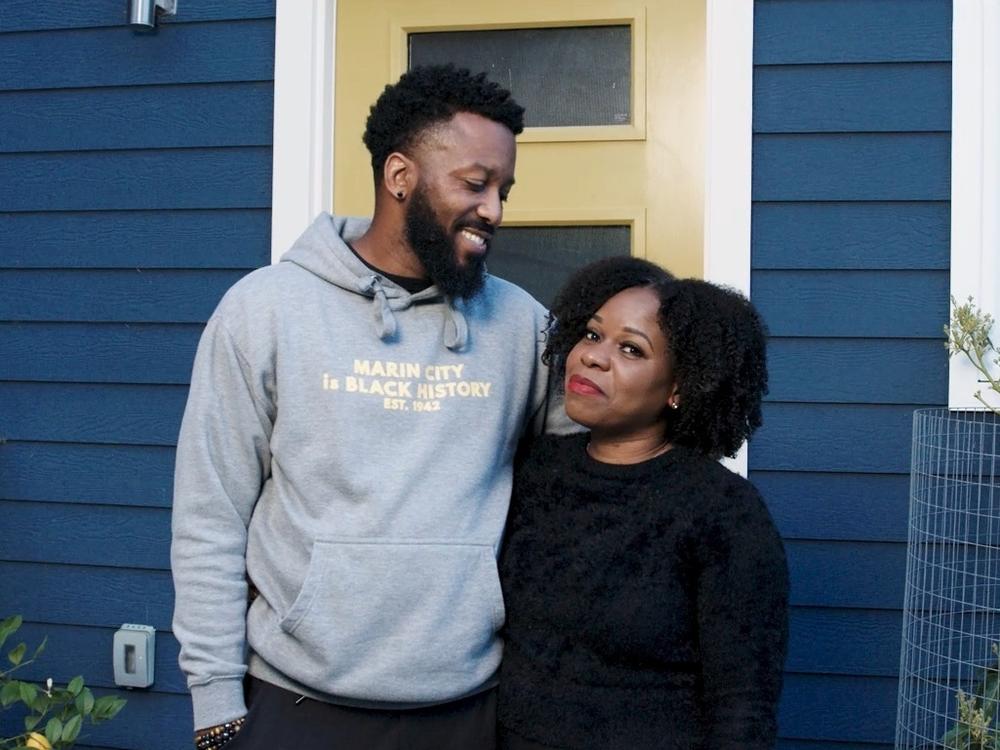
646	604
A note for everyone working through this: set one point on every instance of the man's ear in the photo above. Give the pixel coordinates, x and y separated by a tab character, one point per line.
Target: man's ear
399	175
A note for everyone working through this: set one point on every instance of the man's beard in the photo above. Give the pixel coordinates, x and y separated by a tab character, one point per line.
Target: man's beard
435	249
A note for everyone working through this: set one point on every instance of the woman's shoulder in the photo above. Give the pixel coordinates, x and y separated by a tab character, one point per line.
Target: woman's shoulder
720	491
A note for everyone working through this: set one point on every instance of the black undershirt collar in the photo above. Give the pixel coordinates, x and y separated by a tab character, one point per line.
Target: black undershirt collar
408	283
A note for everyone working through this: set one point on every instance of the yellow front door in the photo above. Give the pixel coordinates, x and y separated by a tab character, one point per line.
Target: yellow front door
599	170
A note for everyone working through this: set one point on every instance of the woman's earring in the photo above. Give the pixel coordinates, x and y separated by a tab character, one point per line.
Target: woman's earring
674	405
399	194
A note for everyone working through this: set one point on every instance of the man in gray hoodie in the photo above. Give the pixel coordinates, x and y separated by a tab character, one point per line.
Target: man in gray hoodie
344	463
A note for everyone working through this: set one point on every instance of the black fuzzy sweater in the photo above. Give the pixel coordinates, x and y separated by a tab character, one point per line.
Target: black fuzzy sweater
646	605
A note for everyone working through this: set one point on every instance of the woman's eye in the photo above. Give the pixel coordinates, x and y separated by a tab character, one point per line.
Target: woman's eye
632	350
591	336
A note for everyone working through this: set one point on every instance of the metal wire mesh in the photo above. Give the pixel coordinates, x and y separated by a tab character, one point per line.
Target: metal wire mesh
950	618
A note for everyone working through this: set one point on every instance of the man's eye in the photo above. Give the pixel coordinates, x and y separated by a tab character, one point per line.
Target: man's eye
476	187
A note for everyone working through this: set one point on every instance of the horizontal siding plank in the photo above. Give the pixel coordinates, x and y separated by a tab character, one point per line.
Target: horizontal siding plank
149	721
889	304
98	180
136	239
179	53
230	114
858	370
124	296
847	31
910	236
141	475
845	642
852	98
834	437
842	507
30	15
852	167
865	575
112	535
73	650
846	709
98	352
834	745
93	596
84	413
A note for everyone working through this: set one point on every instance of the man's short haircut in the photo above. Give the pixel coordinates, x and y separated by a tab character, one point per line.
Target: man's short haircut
428	95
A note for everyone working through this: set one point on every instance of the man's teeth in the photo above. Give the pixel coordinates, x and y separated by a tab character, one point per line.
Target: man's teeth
473	237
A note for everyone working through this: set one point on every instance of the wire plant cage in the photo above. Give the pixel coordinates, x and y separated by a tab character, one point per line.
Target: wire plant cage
949	666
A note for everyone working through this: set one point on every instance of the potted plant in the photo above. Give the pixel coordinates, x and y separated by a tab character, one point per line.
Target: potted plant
54	715
949	683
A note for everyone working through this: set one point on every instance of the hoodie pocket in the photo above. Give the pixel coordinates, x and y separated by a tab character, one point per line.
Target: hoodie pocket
394	620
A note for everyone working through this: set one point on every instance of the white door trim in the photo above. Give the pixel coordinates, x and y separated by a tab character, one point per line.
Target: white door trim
302	166
975	174
728	152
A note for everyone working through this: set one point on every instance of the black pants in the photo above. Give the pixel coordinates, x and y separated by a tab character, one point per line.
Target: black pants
276	722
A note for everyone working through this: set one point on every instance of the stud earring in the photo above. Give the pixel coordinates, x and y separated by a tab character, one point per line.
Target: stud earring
399	194
674	405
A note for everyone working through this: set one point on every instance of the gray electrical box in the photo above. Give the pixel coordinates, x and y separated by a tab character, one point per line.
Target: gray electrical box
133	656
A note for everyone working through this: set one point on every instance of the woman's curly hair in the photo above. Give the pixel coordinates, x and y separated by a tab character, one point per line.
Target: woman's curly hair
428	95
717	345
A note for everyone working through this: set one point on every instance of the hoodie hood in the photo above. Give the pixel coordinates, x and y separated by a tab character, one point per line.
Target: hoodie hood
323	251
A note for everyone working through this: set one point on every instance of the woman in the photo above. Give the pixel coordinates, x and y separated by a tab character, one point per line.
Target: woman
645	584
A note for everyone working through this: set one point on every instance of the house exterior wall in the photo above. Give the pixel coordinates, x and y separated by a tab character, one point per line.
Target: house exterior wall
849	266
135	175
135	188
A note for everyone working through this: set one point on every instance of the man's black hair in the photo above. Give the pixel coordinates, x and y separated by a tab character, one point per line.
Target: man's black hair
716	341
428	95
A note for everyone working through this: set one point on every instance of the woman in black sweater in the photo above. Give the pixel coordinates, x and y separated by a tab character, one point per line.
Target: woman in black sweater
645	584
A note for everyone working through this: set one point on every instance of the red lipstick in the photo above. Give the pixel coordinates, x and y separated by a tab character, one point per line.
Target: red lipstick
583	386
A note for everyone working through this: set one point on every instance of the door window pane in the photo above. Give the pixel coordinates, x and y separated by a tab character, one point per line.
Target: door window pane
561	76
540	259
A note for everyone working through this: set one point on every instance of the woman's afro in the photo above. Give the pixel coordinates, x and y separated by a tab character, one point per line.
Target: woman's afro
716	341
432	94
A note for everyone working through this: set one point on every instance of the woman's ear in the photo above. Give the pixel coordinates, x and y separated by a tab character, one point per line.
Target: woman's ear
674	399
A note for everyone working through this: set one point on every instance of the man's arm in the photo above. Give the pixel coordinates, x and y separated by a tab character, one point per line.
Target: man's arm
223	458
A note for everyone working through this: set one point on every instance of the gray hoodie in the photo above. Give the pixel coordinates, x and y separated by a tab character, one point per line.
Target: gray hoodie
347	446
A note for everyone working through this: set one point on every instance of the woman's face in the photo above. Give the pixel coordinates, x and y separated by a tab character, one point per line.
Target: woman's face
618	376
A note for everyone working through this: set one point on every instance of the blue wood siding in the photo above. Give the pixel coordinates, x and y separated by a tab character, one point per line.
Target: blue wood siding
850	253
135	188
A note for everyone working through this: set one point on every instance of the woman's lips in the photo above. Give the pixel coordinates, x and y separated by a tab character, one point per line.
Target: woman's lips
583	386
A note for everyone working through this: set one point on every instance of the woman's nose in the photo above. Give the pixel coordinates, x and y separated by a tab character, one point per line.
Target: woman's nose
593	357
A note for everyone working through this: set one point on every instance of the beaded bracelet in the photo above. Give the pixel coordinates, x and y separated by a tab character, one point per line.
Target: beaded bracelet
216	737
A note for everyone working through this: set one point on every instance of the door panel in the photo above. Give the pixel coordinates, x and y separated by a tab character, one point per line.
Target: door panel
639	168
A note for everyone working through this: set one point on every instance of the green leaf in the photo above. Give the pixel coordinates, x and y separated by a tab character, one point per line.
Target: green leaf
53	730
107	707
72	729
41	648
41	703
9	625
85	701
30	722
10	693
28	693
17	654
75	685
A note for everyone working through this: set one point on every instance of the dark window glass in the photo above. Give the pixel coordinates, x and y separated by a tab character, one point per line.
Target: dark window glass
540	259
561	76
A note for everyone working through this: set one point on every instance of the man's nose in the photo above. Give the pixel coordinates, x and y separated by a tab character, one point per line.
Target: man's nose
491	208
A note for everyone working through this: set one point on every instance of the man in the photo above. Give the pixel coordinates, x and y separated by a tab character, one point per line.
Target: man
346	453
